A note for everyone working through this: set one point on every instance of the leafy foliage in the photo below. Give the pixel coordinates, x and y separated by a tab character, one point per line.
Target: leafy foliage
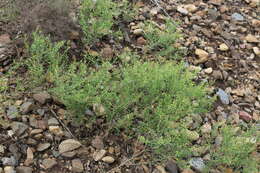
45	61
236	148
154	95
96	19
162	40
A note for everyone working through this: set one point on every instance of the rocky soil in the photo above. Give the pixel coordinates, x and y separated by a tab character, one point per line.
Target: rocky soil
222	38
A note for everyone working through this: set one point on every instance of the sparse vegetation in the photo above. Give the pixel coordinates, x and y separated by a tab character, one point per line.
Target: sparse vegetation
96	19
236	149
153	101
162	39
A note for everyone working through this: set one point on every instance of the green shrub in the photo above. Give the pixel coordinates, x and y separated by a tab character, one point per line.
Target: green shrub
161	40
45	60
236	149
147	97
96	19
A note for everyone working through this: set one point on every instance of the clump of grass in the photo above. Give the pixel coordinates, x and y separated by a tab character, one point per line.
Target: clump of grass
96	19
162	40
236	150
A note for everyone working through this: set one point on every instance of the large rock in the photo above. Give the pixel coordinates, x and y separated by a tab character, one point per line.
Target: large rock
171	167
68	145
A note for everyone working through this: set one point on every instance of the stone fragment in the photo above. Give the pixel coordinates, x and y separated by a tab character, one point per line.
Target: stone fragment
251	38
108	159
42	97
237	17
245	116
43	146
197	164
24	169
26	107
171	167
223	96
49	163
68	145
18	128
223	47
98	155
77	165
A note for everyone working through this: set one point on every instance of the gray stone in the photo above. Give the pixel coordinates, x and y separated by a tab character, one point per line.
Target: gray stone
223	96
77	165
49	163
171	167
237	17
19	128
26	107
53	122
9	161
197	164
43	146
24	169
12	112
42	97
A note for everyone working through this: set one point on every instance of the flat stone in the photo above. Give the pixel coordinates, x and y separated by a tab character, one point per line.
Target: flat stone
77	165
2	149
24	169
68	145
69	154
237	17
19	128
197	164
208	70
201	53
9	169
256	50
49	163
138	31
42	97
43	146
223	47
53	122
26	107
223	96
9	161
245	116
190	8
251	38
182	10
29	158
108	159
12	112
98	155
171	167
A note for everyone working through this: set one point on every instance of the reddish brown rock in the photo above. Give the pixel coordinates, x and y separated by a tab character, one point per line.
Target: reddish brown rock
245	116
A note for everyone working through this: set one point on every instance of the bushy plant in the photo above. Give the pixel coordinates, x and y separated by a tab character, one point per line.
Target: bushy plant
162	40
147	97
45	60
236	150
96	19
